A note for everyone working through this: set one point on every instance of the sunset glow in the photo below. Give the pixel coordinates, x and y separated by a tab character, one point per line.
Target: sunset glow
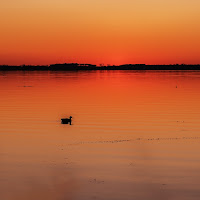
100	31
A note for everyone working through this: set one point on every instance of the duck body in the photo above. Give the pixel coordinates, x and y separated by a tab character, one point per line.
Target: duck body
66	120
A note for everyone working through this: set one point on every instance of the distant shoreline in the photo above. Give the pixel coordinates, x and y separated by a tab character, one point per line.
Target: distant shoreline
79	67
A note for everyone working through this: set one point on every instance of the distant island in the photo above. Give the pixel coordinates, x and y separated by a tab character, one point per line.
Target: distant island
76	66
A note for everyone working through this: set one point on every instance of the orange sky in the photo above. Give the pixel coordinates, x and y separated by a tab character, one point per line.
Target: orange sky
100	31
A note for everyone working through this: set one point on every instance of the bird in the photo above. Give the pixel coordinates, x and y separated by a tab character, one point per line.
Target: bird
66	120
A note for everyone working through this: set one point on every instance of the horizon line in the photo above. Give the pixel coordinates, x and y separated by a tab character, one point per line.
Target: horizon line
100	65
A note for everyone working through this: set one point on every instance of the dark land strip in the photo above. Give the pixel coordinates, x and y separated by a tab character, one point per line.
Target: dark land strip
76	66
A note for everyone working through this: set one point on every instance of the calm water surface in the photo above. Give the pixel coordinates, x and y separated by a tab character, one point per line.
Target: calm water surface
134	135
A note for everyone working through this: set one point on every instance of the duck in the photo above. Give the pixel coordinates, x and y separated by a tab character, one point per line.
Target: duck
66	120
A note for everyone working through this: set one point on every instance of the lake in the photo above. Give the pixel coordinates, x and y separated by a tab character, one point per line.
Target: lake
134	135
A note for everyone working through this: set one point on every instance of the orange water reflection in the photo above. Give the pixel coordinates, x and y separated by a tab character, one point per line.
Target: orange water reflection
132	132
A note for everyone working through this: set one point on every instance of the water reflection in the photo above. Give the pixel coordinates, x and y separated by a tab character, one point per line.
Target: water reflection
135	135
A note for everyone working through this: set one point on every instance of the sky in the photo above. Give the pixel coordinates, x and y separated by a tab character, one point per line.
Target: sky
42	32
